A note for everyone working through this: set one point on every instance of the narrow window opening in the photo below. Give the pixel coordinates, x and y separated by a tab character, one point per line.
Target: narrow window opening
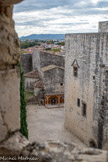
78	102
61	84
84	109
75	71
93	77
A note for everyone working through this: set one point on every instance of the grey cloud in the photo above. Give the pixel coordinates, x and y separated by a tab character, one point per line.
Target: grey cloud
68	9
102	4
76	6
72	24
34	5
37	23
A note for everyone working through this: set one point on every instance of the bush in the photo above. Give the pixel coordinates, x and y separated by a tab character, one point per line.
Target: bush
23	120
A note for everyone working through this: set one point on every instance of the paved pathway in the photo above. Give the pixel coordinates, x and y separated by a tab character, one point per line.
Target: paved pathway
48	124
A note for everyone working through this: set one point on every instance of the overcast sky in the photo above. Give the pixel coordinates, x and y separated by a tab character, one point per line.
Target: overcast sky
59	16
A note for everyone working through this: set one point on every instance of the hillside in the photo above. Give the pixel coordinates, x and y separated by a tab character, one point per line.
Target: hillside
44	36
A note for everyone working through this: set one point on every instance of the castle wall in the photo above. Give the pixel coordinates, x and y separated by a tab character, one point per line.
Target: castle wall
90	52
41	59
104	103
48	59
103	26
26	62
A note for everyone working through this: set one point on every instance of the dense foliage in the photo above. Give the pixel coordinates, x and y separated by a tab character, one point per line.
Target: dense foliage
23	120
27	44
61	43
56	50
48	49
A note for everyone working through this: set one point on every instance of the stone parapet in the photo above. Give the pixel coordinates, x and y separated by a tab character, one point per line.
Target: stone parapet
103	26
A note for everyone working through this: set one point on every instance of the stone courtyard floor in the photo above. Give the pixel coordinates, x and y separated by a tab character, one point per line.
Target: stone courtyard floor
48	124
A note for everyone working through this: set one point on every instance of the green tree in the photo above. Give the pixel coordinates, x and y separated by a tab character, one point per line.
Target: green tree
56	50
23	120
47	49
27	44
61	43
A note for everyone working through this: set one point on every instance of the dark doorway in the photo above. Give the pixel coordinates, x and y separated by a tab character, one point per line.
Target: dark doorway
92	144
53	101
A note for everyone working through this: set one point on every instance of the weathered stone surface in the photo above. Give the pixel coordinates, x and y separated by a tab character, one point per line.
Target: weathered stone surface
9	73
52	79
9	102
42	58
26	62
19	148
9	44
103	26
89	53
13	145
51	70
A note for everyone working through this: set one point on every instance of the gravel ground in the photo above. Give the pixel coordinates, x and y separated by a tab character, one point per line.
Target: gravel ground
48	124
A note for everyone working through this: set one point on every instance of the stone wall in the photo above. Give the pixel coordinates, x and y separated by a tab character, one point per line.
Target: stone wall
29	83
36	60
48	59
41	59
104	104
26	62
52	80
9	72
103	26
89	52
53	77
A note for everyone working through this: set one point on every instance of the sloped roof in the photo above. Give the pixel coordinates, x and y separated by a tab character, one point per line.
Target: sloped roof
50	52
38	84
50	67
32	74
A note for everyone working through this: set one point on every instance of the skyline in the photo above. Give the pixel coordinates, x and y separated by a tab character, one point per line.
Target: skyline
59	16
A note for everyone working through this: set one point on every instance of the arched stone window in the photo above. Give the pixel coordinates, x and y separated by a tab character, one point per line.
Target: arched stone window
75	68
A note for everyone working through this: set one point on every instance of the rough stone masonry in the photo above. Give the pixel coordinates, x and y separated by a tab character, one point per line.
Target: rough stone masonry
86	86
9	73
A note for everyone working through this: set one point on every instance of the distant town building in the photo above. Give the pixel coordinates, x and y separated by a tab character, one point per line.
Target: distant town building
51	70
44	75
30	79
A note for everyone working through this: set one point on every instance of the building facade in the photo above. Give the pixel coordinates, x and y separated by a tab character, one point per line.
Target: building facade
30	79
86	86
51	70
53	79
